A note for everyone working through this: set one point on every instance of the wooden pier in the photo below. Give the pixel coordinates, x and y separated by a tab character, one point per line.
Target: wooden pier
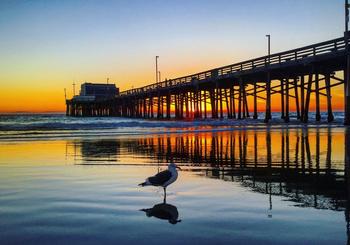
295	76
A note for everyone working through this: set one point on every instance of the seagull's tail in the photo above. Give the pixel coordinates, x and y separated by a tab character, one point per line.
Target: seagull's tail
145	183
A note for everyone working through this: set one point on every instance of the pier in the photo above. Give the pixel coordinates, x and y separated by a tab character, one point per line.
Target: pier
295	76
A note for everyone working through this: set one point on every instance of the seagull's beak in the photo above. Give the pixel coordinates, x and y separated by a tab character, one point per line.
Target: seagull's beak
178	167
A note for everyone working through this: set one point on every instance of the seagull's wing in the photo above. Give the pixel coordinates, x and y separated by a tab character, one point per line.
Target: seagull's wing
160	178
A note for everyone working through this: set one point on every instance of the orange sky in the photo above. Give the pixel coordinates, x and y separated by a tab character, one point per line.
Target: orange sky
51	98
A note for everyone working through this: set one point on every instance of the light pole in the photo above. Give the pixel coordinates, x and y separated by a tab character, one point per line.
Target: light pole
268	46
268	83
157	68
347	71
73	88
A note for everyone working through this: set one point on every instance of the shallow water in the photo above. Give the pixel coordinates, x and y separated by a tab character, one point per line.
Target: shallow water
276	186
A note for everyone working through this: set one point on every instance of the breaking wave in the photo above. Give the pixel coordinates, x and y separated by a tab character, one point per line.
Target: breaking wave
14	126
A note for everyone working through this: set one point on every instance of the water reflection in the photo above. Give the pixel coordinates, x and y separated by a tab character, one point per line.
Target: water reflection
163	211
306	167
307	151
100	150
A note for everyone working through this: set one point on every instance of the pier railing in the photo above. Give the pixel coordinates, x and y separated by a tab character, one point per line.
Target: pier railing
326	47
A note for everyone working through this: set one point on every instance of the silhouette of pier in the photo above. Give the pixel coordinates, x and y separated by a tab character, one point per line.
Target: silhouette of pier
300	76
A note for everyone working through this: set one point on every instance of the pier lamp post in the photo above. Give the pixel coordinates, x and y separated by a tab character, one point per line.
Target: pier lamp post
268	83
268	46
73	88
157	68
347	71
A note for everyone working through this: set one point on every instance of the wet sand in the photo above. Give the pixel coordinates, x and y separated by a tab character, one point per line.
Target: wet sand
279	186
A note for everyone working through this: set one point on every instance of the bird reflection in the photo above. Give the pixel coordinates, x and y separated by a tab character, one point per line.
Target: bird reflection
163	211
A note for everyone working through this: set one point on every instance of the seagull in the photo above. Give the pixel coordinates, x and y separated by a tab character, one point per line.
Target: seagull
163	178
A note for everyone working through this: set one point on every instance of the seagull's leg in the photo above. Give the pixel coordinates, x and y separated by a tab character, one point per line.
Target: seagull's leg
164	188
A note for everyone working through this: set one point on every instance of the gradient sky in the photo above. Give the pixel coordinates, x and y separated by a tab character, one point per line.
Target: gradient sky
46	45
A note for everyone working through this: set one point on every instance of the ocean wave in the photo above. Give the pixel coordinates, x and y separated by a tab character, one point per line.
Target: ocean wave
60	126
53	126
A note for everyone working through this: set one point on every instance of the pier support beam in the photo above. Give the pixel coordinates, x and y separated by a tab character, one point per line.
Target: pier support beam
347	92
213	103
282	98
347	68
200	104
194	105
187	111
240	100
255	116
296	94
205	104
330	116
182	105
246	103
268	98
302	97
233	102
307	102
228	111
317	92
158	107
221	108
168	104
286	118
151	105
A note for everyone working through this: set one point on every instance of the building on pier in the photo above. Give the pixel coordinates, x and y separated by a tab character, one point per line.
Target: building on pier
99	90
94	99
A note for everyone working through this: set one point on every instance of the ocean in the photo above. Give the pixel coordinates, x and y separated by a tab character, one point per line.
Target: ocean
70	180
